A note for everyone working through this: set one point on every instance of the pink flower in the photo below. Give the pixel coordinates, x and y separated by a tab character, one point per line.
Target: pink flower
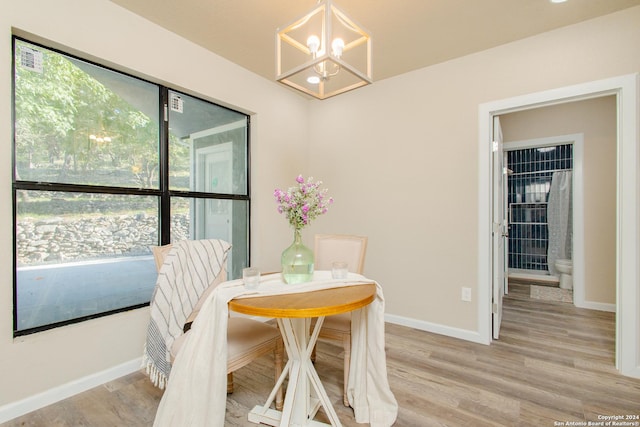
302	203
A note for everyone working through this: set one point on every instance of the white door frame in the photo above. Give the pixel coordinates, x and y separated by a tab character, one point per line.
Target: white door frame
627	295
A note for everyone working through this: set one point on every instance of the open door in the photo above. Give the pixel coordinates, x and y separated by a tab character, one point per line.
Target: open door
499	243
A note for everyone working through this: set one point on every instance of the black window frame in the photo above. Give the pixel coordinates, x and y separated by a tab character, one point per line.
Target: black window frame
163	193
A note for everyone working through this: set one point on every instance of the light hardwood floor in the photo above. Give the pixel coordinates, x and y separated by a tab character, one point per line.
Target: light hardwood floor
554	363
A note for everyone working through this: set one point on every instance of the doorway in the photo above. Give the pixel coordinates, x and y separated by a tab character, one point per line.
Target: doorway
625	89
535	232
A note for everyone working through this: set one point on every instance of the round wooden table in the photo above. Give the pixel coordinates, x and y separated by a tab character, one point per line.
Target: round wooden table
293	313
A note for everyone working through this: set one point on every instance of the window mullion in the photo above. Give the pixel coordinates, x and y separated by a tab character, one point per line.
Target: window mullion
165	200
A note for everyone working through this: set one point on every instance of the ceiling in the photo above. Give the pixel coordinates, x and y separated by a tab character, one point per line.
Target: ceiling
406	34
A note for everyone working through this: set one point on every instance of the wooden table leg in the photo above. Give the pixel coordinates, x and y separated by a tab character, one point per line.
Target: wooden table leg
300	407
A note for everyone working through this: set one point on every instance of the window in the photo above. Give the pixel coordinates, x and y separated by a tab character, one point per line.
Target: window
105	166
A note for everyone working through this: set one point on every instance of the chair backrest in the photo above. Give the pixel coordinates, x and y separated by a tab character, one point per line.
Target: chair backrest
160	253
330	248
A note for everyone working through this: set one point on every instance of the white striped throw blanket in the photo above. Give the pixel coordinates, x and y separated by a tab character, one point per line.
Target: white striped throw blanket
188	270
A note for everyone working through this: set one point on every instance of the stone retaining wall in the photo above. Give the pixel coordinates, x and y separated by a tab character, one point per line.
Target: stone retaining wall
59	239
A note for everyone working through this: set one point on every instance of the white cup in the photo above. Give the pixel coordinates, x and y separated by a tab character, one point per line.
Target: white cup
339	270
251	277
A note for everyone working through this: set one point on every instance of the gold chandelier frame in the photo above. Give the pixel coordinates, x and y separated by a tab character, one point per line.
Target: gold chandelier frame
332	72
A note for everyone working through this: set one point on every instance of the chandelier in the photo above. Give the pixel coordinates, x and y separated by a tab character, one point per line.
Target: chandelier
323	53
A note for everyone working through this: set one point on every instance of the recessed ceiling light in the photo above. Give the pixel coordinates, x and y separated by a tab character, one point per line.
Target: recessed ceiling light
557	1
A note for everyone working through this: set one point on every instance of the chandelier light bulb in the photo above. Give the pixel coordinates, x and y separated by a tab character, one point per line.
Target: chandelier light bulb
314	80
337	47
313	43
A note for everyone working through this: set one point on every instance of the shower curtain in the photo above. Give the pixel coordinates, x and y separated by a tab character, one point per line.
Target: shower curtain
560	219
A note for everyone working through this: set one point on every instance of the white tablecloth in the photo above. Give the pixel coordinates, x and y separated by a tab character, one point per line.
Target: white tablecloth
196	391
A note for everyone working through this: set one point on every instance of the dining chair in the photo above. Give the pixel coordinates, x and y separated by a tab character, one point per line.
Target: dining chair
330	248
247	339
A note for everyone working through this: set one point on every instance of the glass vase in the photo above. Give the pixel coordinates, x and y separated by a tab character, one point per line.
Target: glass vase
297	261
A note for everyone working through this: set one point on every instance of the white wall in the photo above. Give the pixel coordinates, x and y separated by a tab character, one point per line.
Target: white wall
401	159
113	36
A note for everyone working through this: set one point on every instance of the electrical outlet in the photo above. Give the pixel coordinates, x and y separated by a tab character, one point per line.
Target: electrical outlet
466	294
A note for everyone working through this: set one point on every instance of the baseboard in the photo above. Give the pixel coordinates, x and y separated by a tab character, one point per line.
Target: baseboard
463	334
633	372
56	394
601	306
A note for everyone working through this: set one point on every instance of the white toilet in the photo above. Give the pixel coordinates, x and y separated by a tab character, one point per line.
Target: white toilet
565	268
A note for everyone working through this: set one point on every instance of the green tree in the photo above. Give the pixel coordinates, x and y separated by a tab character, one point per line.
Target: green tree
70	127
44	110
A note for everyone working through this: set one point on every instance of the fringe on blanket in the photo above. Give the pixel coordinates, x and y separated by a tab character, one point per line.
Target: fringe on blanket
158	378
156	356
